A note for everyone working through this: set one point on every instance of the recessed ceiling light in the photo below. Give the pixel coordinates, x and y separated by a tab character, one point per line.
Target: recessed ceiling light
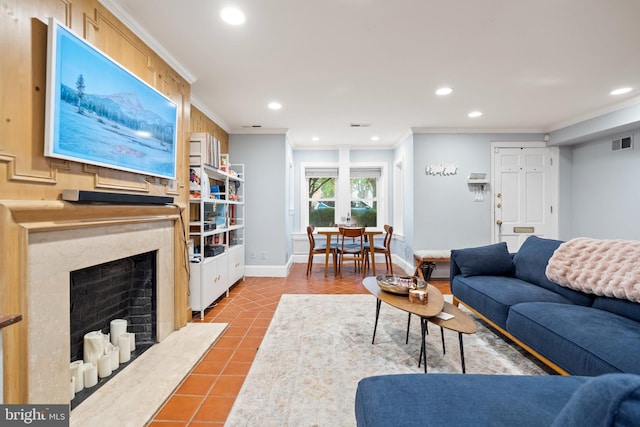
232	16
374	138
620	91
275	105
444	91
315	138
475	114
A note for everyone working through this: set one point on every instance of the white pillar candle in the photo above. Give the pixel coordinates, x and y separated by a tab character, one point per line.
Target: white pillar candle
93	347
117	327
114	353
76	372
124	343
72	390
90	371
132	341
107	340
104	365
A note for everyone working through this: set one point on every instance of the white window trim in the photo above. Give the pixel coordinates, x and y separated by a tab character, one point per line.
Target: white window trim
342	182
381	192
398	197
304	190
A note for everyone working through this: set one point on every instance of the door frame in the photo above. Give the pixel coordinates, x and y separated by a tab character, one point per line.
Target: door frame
554	184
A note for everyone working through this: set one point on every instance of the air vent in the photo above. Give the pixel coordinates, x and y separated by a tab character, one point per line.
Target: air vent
251	126
624	143
360	125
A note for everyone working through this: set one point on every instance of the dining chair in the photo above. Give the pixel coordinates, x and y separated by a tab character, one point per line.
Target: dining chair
318	248
351	247
384	248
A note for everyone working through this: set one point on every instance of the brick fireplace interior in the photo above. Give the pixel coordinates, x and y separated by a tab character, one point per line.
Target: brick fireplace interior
121	289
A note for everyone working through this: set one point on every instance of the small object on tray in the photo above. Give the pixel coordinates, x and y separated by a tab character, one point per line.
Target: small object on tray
444	316
396	284
418	296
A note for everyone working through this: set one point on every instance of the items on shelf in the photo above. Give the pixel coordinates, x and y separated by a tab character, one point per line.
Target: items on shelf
216	224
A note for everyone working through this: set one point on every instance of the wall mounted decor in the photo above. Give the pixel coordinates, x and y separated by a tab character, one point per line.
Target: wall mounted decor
441	169
99	113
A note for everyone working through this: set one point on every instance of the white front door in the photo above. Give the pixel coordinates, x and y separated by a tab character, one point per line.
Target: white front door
524	183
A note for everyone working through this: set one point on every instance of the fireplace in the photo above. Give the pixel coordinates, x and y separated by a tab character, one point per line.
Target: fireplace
55	259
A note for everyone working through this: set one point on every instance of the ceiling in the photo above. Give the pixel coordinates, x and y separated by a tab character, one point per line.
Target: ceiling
528	66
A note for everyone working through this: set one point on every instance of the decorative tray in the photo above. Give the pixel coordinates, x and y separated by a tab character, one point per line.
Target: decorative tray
395	284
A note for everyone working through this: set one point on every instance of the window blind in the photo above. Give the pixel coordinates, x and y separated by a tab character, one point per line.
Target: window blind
321	172
363	172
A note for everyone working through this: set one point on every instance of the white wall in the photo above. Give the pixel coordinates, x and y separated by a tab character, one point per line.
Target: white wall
267	242
605	190
446	216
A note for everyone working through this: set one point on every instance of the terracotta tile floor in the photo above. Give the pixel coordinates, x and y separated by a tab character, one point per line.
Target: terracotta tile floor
206	395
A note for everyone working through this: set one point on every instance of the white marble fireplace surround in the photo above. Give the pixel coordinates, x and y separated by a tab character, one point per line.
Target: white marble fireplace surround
54	249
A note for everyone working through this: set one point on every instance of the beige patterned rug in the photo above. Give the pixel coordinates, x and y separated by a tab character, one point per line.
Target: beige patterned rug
318	347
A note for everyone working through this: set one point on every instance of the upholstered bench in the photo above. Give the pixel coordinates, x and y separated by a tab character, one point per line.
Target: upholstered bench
430	256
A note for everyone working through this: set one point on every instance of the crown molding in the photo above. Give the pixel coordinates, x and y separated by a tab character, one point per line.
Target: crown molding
120	11
593	114
406	134
475	130
197	102
259	131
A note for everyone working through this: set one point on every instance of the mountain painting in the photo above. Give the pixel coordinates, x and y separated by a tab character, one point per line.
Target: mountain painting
99	113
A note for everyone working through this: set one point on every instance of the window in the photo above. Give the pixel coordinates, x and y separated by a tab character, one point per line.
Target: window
364	195
321	195
324	205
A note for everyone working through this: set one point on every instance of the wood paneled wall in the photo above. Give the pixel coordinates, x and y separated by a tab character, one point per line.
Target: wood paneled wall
201	123
26	174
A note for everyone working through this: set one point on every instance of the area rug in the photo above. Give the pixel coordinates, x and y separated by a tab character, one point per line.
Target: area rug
318	347
133	396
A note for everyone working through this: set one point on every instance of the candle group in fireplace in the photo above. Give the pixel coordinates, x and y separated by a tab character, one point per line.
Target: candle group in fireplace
102	354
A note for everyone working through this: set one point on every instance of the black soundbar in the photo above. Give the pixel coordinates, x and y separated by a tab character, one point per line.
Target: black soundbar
82	196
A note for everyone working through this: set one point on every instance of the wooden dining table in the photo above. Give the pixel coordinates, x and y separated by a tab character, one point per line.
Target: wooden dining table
334	231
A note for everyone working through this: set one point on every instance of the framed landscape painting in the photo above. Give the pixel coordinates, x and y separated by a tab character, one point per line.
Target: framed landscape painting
99	113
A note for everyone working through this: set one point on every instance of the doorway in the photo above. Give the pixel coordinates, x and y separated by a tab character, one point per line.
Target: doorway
524	180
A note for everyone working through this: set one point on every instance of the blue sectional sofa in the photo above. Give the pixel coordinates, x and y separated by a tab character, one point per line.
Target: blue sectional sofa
573	332
457	400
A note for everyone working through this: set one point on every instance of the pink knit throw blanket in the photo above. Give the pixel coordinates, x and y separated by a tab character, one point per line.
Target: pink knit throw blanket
602	267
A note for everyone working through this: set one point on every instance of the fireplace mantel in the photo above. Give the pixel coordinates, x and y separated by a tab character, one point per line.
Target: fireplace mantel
54	214
22	220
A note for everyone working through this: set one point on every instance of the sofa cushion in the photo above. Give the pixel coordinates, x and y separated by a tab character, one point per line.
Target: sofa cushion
531	263
493	295
490	260
622	307
455	400
581	340
607	400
